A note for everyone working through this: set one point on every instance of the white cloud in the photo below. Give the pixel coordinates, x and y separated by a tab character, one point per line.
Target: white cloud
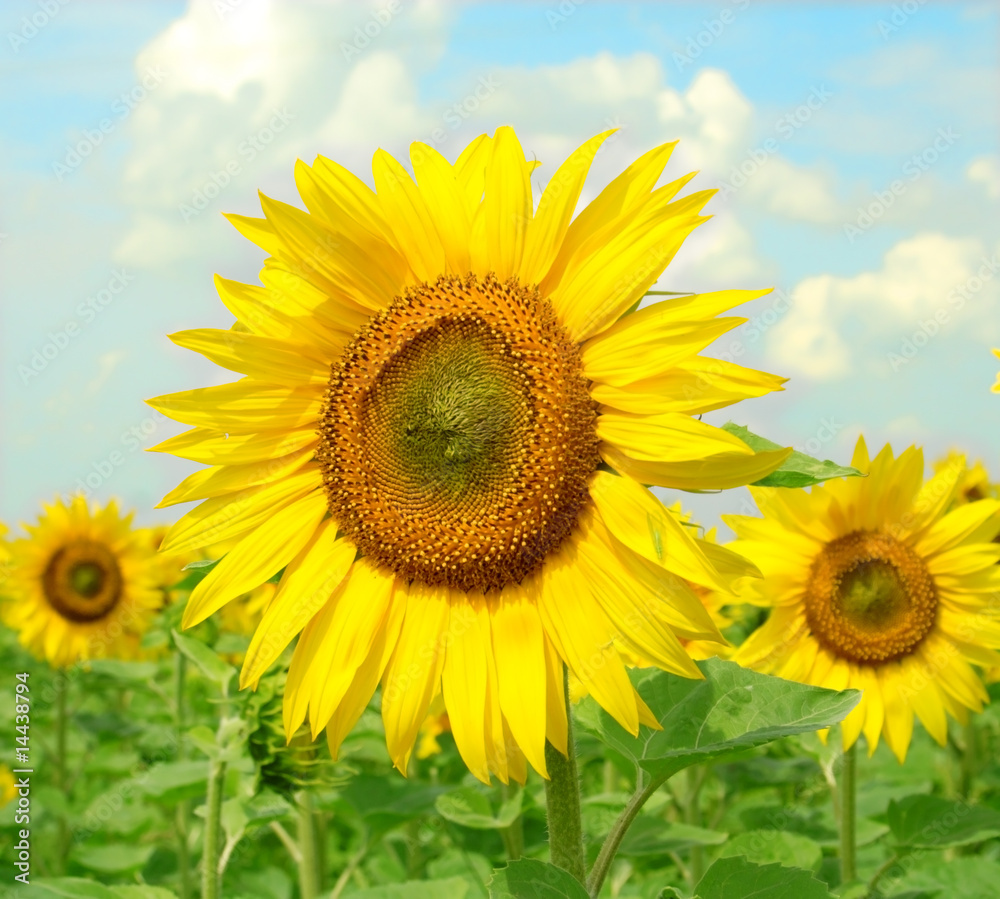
986	169
792	192
920	277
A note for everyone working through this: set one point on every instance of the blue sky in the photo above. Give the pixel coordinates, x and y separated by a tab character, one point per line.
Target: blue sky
884	85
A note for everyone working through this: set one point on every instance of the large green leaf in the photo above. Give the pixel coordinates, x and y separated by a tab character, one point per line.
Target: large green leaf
798	470
736	878
651	835
112	858
170	782
763	847
532	879
206	659
64	888
965	877
731	710
471	808
933	822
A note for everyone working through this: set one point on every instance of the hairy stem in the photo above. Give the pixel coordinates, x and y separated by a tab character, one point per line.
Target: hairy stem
210	853
848	815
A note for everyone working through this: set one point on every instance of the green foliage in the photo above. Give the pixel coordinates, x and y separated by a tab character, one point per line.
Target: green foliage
531	879
798	470
731	710
737	878
933	822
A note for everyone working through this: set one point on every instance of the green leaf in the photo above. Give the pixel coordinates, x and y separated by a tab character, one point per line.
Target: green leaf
64	888
965	877
731	710
267	806
126	672
112	858
195	573
532	879
471	808
736	878
763	847
933	822
385	802
798	470
170	782
206	659
651	835
142	891
452	888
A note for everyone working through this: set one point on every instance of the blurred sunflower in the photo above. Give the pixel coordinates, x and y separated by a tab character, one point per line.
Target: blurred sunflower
975	481
8	786
434	374
873	584
83	584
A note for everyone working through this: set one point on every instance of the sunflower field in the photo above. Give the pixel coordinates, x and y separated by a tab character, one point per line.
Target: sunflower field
486	579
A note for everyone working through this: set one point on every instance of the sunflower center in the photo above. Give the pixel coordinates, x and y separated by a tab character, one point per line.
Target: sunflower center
82	581
870	598
457	434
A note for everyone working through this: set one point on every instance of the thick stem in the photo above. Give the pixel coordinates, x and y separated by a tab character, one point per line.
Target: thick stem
210	853
848	815
60	774
183	809
308	870
562	802
512	836
614	838
692	815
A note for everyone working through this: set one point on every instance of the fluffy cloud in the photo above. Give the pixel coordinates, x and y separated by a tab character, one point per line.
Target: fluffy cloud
926	278
986	170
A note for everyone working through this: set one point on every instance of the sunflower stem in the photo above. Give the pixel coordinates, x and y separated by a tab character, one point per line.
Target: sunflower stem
308	869
181	813
213	816
848	814
60	778
512	836
562	801
969	759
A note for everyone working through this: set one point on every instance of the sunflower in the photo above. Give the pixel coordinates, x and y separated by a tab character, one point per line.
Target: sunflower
874	584
448	414
975	482
83	584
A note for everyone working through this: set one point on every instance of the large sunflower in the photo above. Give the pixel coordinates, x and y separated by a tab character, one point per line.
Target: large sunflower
435	372
873	584
82	585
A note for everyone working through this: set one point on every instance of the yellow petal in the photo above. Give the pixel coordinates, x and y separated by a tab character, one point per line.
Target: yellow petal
413	674
408	215
243	407
441	189
598	288
464	681
718	472
694	386
259	357
640	521
668	437
629	190
340	194
646	344
306	586
507	204
212	447
224	517
345	633
556	726
366	272
898	725
368	675
222	479
256	557
520	659
948	532
555	210
578	628
470	172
